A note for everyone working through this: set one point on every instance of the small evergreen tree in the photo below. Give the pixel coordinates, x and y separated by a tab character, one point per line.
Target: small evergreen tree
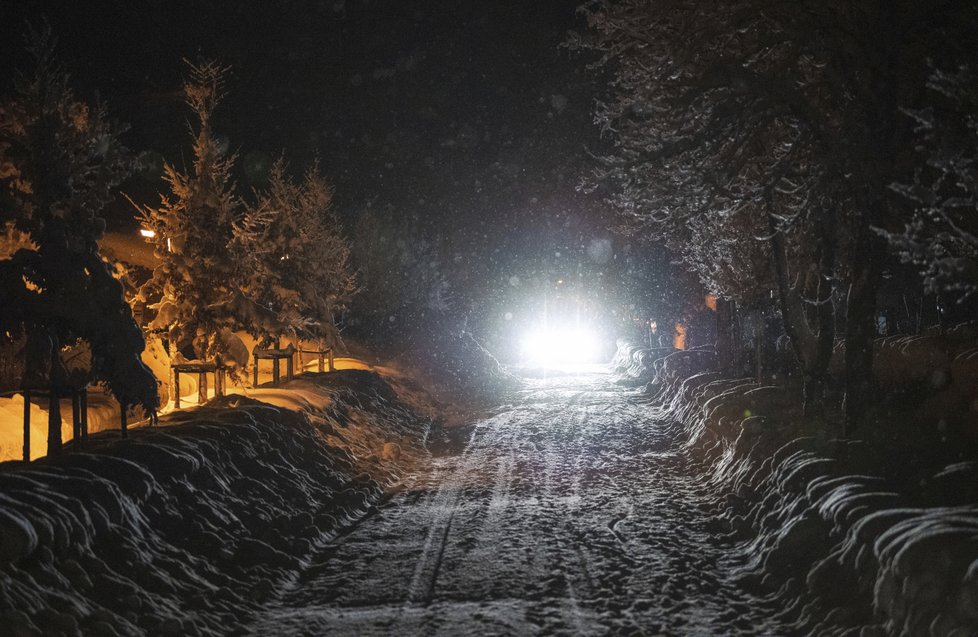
60	159
196	289
300	276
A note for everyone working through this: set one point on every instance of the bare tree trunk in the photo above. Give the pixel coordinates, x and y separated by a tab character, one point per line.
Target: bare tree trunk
813	351
728	343
54	407
814	406
861	328
758	347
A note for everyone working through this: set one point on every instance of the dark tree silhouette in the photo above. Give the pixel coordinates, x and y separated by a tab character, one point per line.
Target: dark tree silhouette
60	159
760	138
404	284
942	237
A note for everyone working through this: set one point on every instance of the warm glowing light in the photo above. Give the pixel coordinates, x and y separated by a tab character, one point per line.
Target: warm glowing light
30	285
561	347
679	337
146	232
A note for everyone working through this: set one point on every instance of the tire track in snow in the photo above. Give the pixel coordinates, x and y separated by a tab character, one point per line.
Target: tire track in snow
571	511
445	505
427	567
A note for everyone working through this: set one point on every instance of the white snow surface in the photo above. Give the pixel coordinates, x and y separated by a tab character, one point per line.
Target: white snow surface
581	507
822	534
190	528
570	511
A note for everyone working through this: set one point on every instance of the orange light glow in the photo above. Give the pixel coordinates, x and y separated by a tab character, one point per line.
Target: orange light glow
679	339
30	285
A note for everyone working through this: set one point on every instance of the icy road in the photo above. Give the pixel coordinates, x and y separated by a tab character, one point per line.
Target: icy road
571	511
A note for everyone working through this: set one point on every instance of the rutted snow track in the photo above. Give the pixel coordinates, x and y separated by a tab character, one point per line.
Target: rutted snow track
570	511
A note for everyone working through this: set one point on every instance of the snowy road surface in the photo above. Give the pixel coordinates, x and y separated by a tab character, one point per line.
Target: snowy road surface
571	511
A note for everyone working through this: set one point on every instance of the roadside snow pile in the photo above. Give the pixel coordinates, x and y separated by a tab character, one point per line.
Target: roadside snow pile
637	362
846	536
185	529
467	364
941	368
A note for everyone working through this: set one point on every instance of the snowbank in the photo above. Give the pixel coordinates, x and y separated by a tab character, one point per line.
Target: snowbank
849	537
184	529
467	365
637	362
103	409
940	368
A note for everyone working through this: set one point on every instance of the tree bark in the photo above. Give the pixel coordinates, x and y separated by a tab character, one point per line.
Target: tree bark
813	350
861	327
758	323
54	407
813	391
728	344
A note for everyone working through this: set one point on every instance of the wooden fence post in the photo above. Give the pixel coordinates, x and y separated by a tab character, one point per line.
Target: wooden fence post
54	422
176	388
27	425
201	388
75	416
84	413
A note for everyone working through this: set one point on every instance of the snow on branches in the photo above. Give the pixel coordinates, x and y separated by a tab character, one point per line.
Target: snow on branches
714	150
941	239
718	156
301	276
196	288
757	139
274	268
60	160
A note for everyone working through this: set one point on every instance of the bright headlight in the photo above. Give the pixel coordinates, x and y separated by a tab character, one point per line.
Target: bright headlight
559	347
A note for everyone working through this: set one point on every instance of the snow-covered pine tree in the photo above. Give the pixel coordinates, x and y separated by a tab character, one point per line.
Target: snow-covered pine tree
197	288
60	159
300	276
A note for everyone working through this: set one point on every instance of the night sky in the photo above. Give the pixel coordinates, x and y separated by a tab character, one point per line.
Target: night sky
467	118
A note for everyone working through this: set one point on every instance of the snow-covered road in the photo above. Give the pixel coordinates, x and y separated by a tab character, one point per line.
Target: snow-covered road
571	511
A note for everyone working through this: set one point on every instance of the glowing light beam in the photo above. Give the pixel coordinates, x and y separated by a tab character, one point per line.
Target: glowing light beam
561	348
